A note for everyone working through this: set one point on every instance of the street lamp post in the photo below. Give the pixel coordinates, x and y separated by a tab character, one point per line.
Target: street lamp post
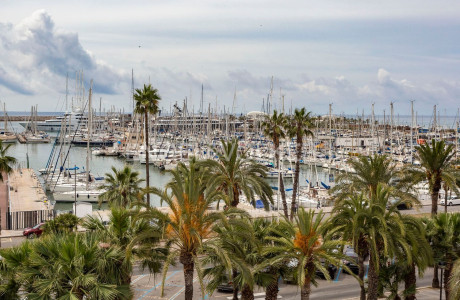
442	266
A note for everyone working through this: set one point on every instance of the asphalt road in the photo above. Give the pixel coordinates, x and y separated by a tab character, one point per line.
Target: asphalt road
343	286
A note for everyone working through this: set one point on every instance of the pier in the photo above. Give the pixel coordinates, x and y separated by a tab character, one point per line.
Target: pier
26	193
23	200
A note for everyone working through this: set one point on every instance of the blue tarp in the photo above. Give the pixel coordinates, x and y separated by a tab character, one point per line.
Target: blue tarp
325	185
259	204
276	188
72	169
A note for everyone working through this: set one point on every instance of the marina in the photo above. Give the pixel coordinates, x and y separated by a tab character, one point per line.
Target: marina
74	161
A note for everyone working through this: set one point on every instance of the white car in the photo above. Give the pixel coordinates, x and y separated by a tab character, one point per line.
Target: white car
451	201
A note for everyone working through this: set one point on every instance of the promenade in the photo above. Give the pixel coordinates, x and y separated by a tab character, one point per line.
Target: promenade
26	193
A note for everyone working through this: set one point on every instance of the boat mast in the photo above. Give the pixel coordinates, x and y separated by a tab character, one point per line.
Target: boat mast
412	132
66	91
90	121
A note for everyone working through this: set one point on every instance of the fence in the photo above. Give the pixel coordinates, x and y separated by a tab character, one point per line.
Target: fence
24	219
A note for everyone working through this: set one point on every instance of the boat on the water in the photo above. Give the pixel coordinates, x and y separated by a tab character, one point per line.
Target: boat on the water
72	120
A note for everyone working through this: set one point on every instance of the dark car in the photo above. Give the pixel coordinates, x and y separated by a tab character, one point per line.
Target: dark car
226	286
331	269
35	231
352	261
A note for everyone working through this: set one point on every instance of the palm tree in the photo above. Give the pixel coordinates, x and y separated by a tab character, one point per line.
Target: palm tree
374	227
10	281
422	255
136	237
347	222
121	188
403	271
235	252
273	127
147	104
436	167
235	173
299	127
369	173
72	266
306	243
189	222
454	280
386	234
444	232
5	160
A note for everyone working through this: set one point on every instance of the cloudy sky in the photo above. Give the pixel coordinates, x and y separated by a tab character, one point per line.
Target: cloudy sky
350	53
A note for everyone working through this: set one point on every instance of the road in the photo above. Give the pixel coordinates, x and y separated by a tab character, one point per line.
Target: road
343	286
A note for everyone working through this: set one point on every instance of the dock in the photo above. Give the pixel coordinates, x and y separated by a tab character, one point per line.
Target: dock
26	192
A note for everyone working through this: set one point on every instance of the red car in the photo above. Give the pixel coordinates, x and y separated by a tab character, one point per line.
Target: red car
35	231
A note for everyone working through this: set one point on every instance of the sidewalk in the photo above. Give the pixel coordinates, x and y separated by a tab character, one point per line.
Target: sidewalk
11	233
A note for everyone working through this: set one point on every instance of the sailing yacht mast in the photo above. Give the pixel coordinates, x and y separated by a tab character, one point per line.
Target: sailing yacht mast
90	121
412	132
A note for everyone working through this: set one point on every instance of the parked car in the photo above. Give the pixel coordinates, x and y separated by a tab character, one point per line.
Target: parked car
331	269
352	261
450	202
226	286
35	231
292	265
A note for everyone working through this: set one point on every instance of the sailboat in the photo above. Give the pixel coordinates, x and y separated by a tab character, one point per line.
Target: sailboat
91	192
5	135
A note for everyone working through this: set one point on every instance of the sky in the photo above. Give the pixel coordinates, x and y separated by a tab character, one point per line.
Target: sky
348	53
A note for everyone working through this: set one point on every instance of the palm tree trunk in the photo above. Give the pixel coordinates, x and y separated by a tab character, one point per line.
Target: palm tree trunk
434	198
435	282
147	148
447	272
235	288
236	197
281	187
410	282
247	293
186	260
283	197
305	290
362	295
272	288
296	175
373	279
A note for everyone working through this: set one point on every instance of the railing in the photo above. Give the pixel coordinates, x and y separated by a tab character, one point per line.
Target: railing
24	219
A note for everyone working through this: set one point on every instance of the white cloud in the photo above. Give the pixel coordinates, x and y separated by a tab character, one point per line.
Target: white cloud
41	55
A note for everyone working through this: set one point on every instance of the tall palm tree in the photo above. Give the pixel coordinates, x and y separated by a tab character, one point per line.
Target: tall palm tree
421	253
374	226
347	222
122	188
147	100
436	167
305	242
386	234
6	161
299	126
274	127
370	172
235	173
444	230
189	222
